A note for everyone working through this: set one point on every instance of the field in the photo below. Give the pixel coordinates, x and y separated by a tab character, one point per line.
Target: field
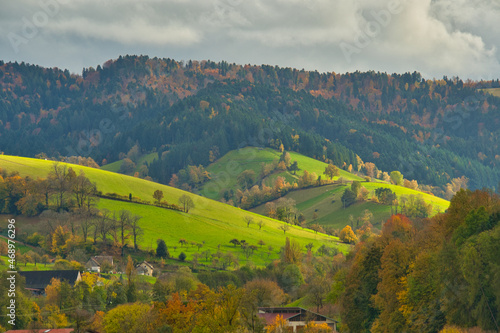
493	91
210	223
225	170
325	202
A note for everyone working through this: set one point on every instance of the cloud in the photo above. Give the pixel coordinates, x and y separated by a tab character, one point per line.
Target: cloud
438	37
136	31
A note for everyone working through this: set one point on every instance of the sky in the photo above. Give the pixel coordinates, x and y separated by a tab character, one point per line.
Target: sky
434	37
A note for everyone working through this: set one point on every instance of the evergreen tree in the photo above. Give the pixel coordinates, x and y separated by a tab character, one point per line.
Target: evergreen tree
161	249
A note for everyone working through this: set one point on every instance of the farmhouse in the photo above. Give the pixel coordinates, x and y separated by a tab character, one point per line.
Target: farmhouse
94	263
295	317
145	268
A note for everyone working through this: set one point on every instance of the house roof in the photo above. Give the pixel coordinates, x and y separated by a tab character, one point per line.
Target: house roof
146	263
55	330
92	262
41	279
101	259
269	314
271	317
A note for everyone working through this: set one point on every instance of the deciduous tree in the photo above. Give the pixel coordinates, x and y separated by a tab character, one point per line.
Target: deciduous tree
158	195
331	171
347	235
186	203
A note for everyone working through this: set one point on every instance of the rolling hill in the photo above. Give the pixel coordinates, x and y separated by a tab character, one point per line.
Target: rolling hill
226	170
210	223
324	200
431	130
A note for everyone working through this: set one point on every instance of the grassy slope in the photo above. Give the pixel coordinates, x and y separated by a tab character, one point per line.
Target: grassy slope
225	170
115	166
210	221
4	262
325	200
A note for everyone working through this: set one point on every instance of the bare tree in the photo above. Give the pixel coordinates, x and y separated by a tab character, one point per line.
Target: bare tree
284	227
186	202
248	220
102	225
261	224
124	226
135	229
83	190
59	180
86	218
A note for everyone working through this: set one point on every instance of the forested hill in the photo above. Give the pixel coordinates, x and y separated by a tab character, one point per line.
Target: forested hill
191	113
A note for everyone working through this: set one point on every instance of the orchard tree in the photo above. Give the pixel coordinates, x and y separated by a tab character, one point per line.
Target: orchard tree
158	195
248	220
284	228
331	171
397	178
186	203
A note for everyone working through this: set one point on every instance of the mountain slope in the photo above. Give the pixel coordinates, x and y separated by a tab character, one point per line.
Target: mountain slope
210	221
430	130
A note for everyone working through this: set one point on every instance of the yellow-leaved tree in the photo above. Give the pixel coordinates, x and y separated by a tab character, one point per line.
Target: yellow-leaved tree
279	325
313	327
347	235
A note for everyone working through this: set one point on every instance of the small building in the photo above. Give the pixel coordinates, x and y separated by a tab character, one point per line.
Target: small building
145	268
94	263
295	317
37	281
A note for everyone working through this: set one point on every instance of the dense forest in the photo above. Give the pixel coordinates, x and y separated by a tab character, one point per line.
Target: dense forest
189	113
422	274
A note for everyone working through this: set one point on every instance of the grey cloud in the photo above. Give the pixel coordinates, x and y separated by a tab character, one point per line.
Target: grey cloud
438	37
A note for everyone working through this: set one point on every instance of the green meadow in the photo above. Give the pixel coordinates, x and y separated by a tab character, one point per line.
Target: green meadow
225	170
211	223
323	204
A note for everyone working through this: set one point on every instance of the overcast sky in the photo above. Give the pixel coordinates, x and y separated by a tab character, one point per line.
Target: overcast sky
436	38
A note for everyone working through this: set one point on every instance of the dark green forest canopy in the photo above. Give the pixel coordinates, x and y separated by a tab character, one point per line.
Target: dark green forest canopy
432	131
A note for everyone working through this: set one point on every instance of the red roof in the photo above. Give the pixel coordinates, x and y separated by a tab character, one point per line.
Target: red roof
43	330
271	317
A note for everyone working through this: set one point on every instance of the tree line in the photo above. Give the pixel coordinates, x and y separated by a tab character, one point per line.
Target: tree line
66	204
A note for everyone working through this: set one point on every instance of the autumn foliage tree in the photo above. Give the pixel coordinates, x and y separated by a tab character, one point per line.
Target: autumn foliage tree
331	171
347	235
419	277
158	195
